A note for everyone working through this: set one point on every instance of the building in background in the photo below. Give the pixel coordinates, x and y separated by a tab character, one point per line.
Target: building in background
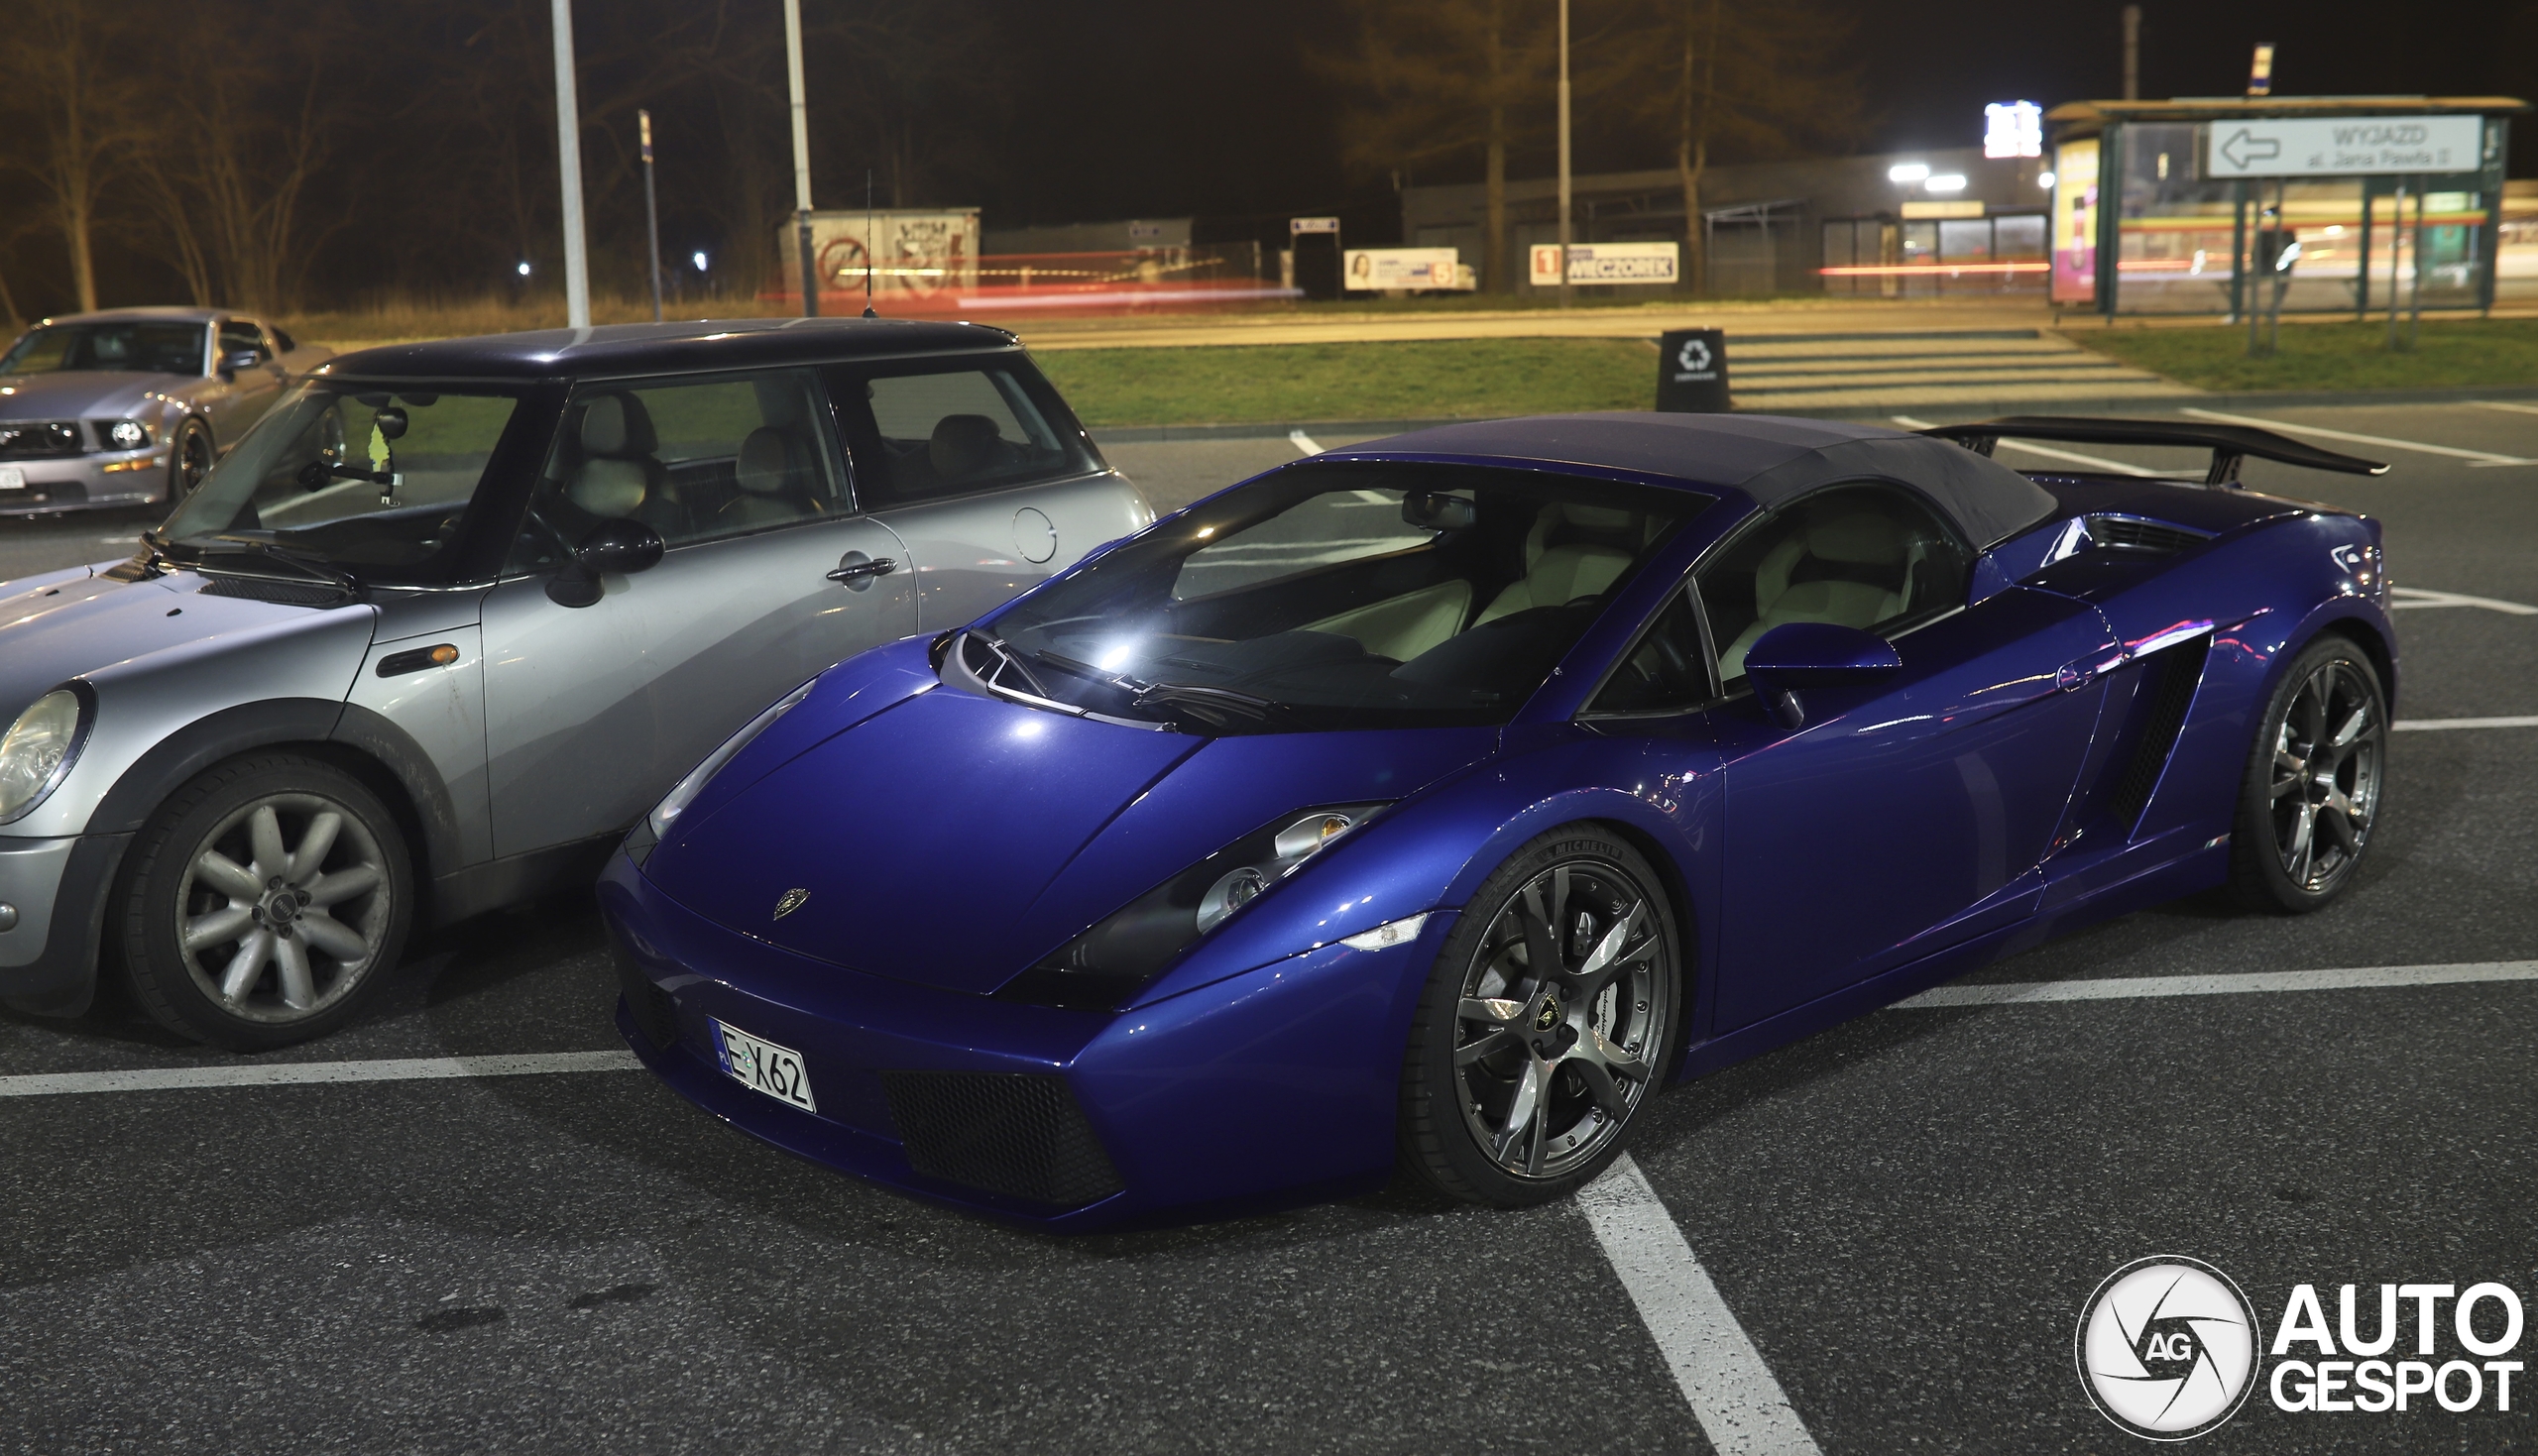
1901	224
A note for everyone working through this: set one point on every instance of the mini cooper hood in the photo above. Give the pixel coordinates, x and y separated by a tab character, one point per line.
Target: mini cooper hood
68	624
77	393
955	839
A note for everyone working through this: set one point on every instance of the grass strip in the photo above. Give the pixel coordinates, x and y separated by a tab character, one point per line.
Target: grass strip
2450	353
1270	383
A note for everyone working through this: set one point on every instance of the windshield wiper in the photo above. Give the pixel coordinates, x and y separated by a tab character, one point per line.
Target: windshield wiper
310	568
1213	706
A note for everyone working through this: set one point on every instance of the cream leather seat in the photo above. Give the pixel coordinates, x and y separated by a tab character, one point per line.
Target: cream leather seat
1572	551
773	485
1849	568
618	472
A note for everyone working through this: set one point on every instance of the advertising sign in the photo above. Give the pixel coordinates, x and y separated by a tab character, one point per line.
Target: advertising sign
2074	243
1403	267
1608	263
911	254
1299	225
2319	147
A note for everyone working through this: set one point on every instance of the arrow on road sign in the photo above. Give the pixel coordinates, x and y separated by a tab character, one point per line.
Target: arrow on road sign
2246	147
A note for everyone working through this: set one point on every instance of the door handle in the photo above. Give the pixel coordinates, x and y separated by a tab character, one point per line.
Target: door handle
849	573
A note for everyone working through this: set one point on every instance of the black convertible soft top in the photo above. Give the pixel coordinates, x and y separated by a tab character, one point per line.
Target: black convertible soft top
1772	458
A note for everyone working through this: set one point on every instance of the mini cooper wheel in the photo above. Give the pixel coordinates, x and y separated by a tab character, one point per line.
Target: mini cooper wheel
190	459
2311	788
266	899
1546	1024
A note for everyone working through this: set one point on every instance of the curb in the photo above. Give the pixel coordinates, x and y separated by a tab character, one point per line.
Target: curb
1149	435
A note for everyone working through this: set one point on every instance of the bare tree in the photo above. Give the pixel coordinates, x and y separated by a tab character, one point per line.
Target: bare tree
1444	78
58	72
1748	77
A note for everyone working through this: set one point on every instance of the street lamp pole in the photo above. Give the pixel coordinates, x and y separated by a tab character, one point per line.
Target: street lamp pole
801	156
568	153
1564	152
652	211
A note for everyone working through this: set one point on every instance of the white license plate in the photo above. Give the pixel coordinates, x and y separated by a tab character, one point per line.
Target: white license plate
762	1067
12	478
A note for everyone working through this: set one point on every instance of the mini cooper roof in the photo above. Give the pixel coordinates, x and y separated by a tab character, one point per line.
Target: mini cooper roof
662	347
1772	458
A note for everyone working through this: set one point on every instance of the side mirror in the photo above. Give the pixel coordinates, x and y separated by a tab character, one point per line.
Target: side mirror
618	547
1813	654
230	364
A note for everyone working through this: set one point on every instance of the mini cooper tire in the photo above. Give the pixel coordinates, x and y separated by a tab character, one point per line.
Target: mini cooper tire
1517	1086
2315	773
190	457
264	902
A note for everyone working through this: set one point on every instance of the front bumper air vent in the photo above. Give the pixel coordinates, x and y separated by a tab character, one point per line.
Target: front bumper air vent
1017	1134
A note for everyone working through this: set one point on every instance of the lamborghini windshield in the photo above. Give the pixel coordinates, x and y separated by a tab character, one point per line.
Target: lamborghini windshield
1334	596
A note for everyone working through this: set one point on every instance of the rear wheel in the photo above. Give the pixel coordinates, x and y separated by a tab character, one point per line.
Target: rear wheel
1546	1022
2311	793
266	899
190	459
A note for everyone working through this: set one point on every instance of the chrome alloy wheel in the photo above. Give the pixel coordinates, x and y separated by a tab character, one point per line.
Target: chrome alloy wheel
1566	988
283	908
2326	776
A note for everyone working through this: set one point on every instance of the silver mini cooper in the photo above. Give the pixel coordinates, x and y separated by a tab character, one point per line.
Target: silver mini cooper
455	615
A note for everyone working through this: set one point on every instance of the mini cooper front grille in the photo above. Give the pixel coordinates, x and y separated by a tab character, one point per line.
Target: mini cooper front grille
1018	1134
39	440
2130	534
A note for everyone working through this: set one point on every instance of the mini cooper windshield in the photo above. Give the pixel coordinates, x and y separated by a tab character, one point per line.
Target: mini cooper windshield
345	480
1331	597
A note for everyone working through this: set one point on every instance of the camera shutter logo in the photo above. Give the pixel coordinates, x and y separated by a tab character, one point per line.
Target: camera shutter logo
2167	1347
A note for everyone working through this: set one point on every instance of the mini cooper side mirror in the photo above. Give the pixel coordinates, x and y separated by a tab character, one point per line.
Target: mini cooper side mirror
1813	654
617	547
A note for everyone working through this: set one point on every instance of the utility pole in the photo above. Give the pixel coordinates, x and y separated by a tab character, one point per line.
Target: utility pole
652	211
568	156
1564	152
2133	53
801	156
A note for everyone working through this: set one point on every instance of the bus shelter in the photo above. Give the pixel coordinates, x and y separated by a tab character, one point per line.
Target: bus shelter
2178	207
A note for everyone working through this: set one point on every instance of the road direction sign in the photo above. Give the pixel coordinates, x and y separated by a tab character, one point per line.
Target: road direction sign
2322	147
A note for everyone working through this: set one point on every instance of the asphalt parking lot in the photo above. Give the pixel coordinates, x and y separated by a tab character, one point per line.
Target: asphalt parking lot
1875	1240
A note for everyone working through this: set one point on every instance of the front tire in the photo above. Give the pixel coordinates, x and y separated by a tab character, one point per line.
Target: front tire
266	899
1547	1023
2311	792
190	459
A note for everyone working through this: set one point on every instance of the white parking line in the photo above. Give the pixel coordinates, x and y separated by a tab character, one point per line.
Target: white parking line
2435	724
2473	457
2094	462
2123	988
278	1073
1303	442
1733	1393
2411	598
2499	404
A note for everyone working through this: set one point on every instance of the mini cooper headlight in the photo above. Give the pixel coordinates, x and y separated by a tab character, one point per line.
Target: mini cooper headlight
38	749
656	825
1115	959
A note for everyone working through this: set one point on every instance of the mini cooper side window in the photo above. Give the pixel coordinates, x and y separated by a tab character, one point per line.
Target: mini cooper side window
930	433
694	459
1866	556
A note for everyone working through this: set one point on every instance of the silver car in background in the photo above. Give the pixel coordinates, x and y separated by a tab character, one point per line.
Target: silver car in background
133	405
456	615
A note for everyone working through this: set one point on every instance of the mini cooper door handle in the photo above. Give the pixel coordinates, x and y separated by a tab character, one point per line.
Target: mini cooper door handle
849	573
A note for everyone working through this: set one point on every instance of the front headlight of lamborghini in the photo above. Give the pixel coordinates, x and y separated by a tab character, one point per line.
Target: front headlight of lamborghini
1114	960
38	750
656	825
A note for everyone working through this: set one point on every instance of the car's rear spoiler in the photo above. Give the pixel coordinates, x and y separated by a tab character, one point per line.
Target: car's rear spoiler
2228	443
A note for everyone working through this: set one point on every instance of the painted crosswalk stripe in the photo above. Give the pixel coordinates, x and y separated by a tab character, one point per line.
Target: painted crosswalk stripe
285	1073
2125	988
2435	724
1733	1395
2473	457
